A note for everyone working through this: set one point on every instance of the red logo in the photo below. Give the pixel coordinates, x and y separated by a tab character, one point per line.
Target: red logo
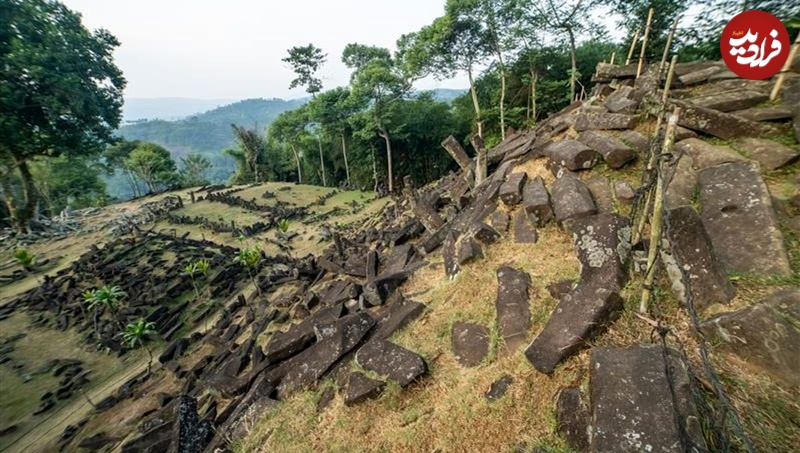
755	45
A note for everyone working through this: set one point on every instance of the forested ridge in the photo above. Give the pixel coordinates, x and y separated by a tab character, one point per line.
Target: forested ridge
524	60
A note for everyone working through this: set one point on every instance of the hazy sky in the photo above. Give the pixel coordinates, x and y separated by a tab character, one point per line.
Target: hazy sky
232	49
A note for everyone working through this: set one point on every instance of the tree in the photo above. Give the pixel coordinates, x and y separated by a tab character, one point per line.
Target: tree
115	157
633	16
68	181
305	62
60	91
332	109
152	164
106	297
380	79
136	333
193	171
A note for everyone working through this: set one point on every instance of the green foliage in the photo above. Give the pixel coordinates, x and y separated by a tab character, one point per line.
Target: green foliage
194	169
249	257
283	225
305	62
105	296
25	258
60	92
152	164
203	266
136	332
68	181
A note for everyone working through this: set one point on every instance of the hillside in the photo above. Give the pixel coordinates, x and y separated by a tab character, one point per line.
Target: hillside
502	314
209	131
138	109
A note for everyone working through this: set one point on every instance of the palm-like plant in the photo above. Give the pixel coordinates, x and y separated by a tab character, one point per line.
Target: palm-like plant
136	332
190	270
106	297
250	257
203	266
283	225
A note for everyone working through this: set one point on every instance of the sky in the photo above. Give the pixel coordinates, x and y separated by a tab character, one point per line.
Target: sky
232	49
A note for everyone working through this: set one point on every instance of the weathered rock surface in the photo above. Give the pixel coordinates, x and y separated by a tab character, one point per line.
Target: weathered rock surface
771	155
536	201
499	388
704	155
635	405
623	100
571	199
572	417
396	314
765	114
601	193
730	100
624	192
761	338
513	307
524	231
361	388
500	221
511	190
572	155
190	433
719	124
614	151
606	121
636	140
690	261
469	250
681	180
470	343
699	76
603	243
738	216
578	316
392	361
283	345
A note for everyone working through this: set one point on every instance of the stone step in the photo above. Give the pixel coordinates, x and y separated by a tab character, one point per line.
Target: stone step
770	154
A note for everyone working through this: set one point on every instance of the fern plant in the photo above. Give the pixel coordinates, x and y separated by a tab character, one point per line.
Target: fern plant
25	258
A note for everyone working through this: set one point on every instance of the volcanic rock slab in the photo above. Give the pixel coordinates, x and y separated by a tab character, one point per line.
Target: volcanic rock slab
604	121
771	155
738	216
392	361
360	388
513	307
470	343
571	199
511	190
614	151
572	155
536	201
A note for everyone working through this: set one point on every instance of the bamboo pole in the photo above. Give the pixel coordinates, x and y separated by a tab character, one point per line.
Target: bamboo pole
633	47
656	223
667	47
637	234
613	57
792	55
644	42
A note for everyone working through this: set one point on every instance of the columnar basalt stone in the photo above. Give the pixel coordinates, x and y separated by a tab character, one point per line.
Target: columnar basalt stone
636	141
392	361
469	250
771	155
513	307
396	314
571	199
706	155
470	343
603	243
283	345
762	337
361	388
572	416
604	121
690	261
681	181
190	434
524	231
730	100
511	190
572	154
500	221
765	114
305	368
624	192
449	251
719	124
536	201
635	403
601	193
700	76
622	100
791	97
738	216
614	151
578	316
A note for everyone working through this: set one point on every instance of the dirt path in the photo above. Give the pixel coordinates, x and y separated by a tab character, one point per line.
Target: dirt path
42	434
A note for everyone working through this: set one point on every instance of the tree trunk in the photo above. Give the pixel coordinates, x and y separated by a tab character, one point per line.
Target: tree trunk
502	69
533	95
344	152
374	172
475	103
30	198
574	64
322	161
297	160
385	136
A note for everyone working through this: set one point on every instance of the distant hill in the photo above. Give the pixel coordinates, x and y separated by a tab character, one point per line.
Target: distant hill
137	109
447	94
209	131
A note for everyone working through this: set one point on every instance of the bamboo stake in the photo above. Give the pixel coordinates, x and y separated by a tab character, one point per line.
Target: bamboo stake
792	55
644	42
651	163
658	215
613	57
667	47
633	47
